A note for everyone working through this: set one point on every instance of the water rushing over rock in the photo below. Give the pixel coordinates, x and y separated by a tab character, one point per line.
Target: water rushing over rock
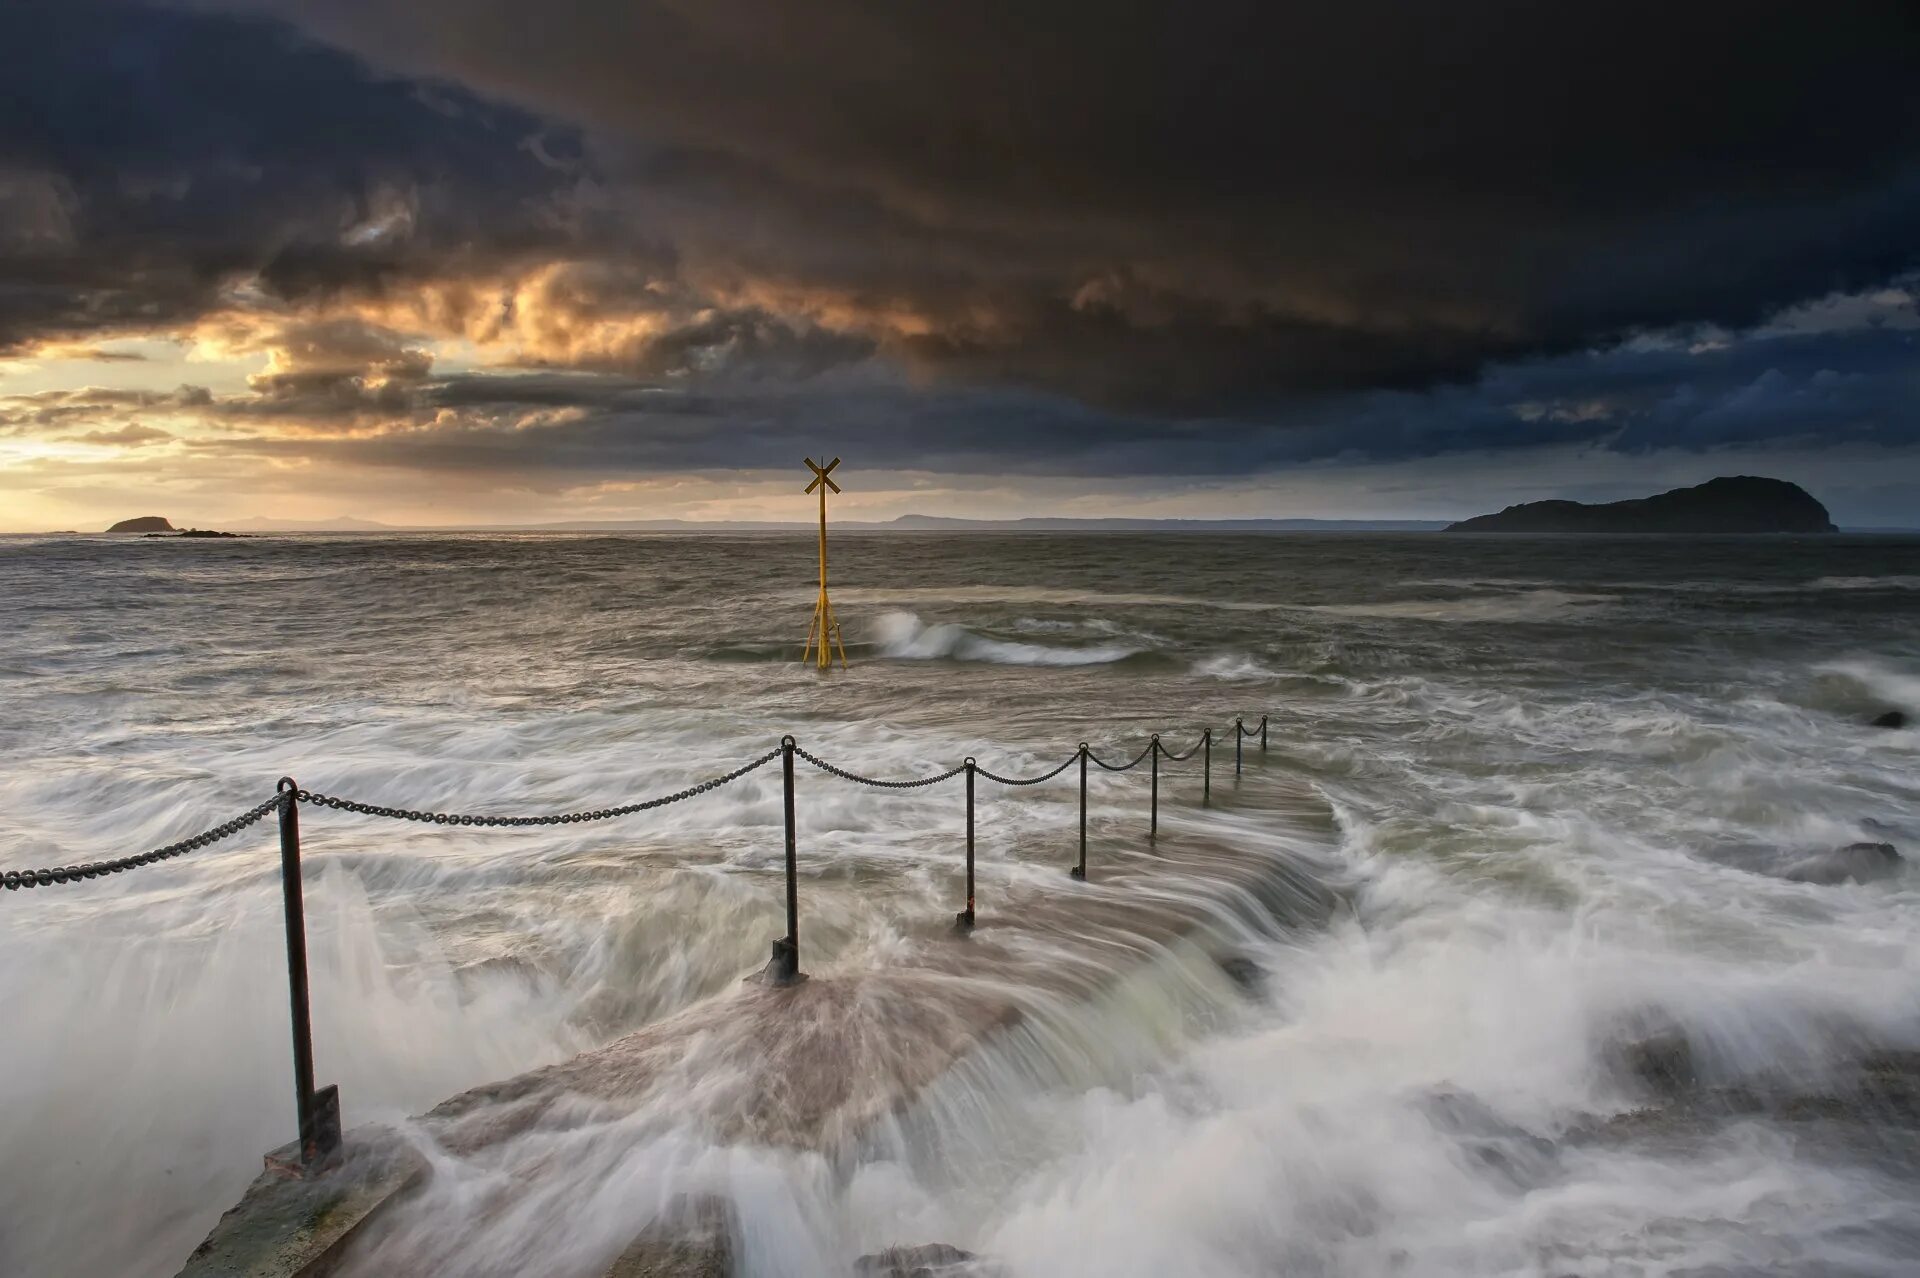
1524	841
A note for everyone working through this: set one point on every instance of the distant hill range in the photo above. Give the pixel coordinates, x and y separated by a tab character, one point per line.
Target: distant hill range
1730	504
905	523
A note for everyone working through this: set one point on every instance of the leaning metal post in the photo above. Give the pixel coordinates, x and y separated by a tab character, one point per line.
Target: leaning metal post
784	967
1206	767
1239	735
319	1112
1153	825
964	920
1263	734
1080	871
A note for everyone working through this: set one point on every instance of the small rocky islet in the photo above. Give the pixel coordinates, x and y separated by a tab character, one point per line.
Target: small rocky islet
160	526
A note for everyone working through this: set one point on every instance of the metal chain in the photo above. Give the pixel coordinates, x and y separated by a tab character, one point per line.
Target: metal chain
1245	731
14	880
1121	767
1045	776
855	777
1181	758
556	818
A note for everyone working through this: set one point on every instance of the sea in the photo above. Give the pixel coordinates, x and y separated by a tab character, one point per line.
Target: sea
1561	968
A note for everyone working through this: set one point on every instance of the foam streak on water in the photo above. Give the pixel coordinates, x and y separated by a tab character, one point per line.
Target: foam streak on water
1527	804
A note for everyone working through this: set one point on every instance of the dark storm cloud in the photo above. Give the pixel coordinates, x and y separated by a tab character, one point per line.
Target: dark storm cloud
1206	206
1117	239
1735	394
152	160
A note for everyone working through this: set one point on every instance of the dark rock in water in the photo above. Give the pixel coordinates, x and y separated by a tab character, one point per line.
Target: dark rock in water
1503	1150
1662	1062
1854	863
934	1260
197	532
1243	972
1891	719
144	524
1736	504
692	1239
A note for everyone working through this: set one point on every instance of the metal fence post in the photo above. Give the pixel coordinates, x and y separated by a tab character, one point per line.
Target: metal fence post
1153	826
318	1111
1080	871
1206	767
964	920
1263	734
1239	735
784	967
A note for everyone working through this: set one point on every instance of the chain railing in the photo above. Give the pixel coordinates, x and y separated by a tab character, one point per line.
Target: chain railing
318	1109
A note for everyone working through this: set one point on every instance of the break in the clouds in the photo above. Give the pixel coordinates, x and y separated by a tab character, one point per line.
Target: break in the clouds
579	244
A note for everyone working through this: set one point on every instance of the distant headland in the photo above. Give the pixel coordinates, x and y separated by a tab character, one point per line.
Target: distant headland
1728	505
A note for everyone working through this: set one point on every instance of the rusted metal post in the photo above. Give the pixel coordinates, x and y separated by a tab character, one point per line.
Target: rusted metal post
1153	826
1239	735
1263	734
964	920
1080	871
318	1111
1206	766
784	967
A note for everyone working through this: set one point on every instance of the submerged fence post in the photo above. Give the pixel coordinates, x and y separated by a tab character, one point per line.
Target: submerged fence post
1080	871
1206	767
1263	734
318	1111
1153	826
964	920
1239	735
784	967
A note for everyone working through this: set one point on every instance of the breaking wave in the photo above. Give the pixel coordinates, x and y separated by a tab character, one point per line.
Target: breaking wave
904	637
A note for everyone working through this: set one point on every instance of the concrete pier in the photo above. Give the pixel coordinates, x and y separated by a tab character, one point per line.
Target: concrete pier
813	1066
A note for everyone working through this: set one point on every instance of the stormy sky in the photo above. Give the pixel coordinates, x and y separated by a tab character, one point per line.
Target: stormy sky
490	261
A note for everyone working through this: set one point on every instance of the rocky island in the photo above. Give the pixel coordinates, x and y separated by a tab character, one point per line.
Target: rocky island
158	526
1728	505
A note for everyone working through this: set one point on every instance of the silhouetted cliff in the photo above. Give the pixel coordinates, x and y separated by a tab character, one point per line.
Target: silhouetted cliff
1736	504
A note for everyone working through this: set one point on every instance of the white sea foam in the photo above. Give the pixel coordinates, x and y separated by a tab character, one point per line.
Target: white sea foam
1547	841
1522	605
903	636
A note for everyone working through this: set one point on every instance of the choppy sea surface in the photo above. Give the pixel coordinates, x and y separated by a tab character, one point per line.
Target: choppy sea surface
1588	1002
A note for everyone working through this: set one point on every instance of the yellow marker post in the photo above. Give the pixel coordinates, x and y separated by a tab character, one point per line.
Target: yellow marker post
825	629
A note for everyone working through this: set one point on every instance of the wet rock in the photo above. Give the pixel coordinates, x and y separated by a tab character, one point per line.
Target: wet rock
1661	1061
1504	1150
1854	863
933	1260
692	1239
1243	972
1891	719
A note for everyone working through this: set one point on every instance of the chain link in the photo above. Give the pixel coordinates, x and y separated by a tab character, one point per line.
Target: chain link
554	818
1181	758
1121	767
855	777
14	880
1045	776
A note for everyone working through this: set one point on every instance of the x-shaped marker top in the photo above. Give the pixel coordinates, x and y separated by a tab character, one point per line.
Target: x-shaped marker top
823	475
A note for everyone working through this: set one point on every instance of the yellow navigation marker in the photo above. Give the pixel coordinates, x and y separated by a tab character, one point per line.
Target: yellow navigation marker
824	629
